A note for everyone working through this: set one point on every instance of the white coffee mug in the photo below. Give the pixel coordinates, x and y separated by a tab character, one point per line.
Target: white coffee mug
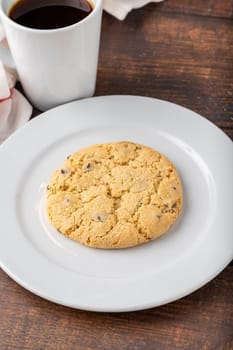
54	65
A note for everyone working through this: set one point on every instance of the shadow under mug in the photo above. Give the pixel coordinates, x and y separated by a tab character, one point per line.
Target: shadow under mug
54	66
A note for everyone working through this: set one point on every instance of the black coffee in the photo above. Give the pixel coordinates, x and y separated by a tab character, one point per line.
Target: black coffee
49	14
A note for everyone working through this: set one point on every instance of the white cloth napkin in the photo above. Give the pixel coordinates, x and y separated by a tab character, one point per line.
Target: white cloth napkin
15	110
120	8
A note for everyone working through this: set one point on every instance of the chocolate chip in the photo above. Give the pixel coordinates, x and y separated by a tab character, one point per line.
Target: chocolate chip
68	157
174	188
63	171
165	208
99	217
87	167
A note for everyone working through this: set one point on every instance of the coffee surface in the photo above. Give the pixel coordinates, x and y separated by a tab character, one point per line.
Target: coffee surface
50	14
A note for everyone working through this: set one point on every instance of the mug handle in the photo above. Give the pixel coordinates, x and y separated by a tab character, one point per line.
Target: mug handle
5	55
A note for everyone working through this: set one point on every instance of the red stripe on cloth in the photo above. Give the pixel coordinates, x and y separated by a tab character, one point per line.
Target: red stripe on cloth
7	98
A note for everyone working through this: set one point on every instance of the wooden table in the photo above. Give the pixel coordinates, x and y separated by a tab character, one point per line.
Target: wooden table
180	51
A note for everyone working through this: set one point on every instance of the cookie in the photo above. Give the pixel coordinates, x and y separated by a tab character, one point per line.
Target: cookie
114	195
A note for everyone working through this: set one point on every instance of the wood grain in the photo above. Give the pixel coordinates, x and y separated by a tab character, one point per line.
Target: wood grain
202	320
207	8
180	51
171	57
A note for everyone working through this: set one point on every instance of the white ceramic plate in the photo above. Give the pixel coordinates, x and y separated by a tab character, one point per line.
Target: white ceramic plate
194	251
